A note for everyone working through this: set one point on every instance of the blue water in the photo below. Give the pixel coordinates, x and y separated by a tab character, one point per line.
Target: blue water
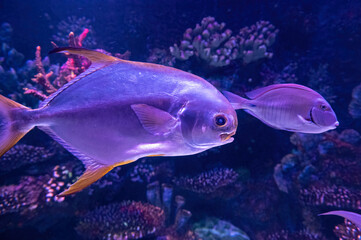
267	184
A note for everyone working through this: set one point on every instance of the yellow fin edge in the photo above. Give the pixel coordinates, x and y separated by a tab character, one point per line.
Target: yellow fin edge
90	176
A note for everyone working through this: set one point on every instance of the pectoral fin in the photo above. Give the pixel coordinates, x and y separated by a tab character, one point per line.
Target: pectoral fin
154	120
92	174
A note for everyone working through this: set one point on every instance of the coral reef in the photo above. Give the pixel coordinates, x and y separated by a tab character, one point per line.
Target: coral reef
303	234
177	219
22	155
68	71
216	46
208	182
125	220
26	196
331	196
77	25
216	229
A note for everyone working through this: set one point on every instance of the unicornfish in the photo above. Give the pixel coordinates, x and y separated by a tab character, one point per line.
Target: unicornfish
119	111
289	107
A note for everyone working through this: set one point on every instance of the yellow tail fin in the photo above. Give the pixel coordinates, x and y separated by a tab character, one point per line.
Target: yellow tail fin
10	130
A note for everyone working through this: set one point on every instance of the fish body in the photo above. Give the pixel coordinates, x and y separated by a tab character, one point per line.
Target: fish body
290	107
351	216
120	111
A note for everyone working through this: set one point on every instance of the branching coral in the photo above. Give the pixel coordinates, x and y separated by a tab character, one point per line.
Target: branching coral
216	46
125	220
73	67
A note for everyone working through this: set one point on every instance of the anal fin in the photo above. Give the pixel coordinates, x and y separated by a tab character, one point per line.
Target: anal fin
92	174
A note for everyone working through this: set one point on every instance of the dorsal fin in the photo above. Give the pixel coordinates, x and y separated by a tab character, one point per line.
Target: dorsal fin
94	56
99	60
260	91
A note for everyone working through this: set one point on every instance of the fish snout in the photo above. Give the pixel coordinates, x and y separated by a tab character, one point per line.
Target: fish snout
227	136
336	124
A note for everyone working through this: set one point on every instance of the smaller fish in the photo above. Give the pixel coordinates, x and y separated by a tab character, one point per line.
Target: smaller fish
289	107
351	216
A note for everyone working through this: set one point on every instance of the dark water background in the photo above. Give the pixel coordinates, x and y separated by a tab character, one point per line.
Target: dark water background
322	38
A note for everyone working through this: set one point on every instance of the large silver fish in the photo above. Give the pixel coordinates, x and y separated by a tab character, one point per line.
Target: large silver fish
290	107
119	111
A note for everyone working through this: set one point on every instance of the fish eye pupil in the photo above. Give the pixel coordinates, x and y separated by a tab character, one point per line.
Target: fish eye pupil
323	107
220	120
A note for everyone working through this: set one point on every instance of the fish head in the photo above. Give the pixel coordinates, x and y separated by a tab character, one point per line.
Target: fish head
208	124
322	115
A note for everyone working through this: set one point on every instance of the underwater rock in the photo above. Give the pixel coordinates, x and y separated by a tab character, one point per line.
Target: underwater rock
125	220
216	229
216	46
208	182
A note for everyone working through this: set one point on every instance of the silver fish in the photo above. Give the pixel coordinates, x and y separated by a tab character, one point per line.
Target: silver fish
119	111
289	107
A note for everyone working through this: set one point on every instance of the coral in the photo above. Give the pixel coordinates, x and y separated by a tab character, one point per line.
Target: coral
347	231
160	56
216	229
68	71
177	228
146	171
22	197
354	107
216	46
77	26
331	196
299	235
61	178
21	155
125	220
51	81
208	182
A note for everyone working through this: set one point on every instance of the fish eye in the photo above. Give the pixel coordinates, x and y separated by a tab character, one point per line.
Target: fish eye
323	107
220	120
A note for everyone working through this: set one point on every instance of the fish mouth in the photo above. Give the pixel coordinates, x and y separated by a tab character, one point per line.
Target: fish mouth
227	136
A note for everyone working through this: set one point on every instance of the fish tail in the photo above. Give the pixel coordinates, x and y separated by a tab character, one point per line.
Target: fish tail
12	126
237	101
